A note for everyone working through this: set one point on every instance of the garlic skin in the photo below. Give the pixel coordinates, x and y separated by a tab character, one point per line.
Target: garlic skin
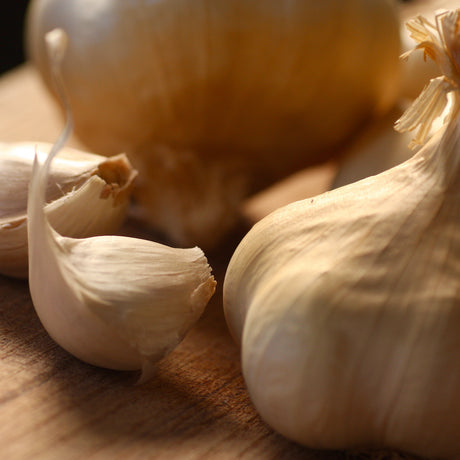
111	301
346	304
116	302
78	200
219	89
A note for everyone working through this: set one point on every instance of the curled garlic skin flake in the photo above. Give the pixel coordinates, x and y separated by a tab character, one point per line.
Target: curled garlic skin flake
76	193
112	301
346	305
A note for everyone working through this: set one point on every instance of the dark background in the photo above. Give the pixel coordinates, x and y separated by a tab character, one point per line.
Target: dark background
11	34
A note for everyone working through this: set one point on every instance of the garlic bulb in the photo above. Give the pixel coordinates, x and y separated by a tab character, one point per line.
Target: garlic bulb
112	301
346	305
87	195
214	99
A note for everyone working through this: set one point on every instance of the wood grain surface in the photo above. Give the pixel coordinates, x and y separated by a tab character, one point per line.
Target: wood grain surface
52	406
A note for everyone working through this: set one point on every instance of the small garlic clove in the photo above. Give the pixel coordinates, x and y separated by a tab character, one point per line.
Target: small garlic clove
112	301
116	302
76	192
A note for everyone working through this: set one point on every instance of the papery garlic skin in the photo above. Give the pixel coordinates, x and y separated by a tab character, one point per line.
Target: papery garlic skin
417	70
117	302
231	84
347	309
78	202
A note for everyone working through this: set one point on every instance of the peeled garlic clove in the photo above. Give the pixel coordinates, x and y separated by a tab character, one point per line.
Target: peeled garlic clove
346	305
78	202
116	302
192	102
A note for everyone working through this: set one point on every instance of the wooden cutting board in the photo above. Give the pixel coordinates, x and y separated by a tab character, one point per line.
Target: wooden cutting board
53	406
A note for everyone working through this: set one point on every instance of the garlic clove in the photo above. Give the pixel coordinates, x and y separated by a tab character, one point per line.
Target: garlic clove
112	301
16	161
76	192
346	304
116	302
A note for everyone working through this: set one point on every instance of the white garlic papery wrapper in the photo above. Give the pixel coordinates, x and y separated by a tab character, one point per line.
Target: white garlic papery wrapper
213	100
